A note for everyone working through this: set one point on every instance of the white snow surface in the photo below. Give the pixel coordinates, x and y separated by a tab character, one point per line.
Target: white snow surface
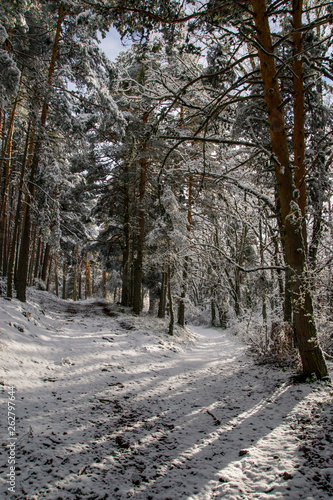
111	407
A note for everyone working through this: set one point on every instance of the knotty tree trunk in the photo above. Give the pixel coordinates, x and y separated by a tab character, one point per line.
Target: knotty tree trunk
291	201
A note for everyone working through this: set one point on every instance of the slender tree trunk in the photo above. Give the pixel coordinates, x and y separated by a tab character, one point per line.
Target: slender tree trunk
291	201
49	274
32	256
181	306
92	279
105	291
64	281
163	295
172	316
80	278
88	285
126	275
5	176
213	312
12	252
262	263
138	263
75	274
45	262
37	257
41	260
25	240
56	281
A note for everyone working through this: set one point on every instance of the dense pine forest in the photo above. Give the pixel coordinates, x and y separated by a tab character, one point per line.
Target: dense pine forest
190	178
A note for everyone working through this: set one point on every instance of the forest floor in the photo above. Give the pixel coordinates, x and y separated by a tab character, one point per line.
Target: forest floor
108	406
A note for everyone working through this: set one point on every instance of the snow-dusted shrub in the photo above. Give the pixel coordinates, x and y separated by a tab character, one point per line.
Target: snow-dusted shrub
276	346
39	284
325	335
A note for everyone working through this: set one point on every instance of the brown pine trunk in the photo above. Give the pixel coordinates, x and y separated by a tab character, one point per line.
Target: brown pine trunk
88	285
5	176
75	274
56	282
138	263
37	257
25	241
291	202
12	251
171	313
80	280
163	295
181	306
32	256
49	274
64	281
126	264
92	279
45	262
104	284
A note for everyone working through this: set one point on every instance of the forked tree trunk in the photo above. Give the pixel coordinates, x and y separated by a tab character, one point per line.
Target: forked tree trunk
291	201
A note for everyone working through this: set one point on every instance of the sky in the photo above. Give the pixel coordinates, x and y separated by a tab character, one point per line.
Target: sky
112	45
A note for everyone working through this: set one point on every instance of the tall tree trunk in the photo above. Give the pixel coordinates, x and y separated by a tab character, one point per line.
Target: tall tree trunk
45	262
172	316
49	274
181	306
126	264
32	256
92	279
56	281
39	244
105	291
12	252
80	279
163	295
75	274
88	284
64	281
25	240
5	174
138	263
291	201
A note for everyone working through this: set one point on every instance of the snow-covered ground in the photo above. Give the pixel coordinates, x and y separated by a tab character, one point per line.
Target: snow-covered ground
107	405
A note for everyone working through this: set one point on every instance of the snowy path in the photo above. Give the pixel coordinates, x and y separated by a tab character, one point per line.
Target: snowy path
107	410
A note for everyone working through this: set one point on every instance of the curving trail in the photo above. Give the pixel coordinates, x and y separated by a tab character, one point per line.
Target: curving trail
109	406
